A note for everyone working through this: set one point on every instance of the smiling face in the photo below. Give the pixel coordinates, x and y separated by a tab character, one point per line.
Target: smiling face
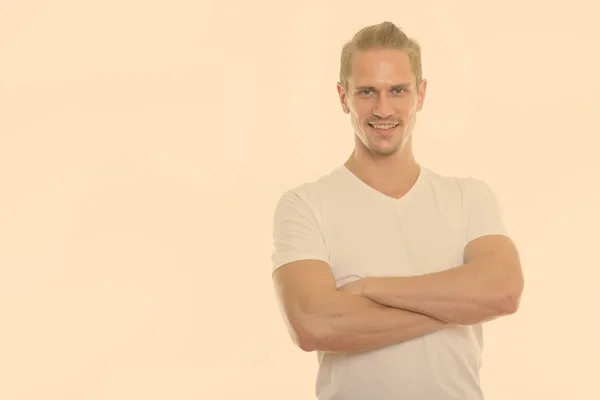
382	98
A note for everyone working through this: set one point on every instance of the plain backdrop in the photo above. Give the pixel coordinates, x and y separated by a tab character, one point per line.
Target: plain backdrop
143	146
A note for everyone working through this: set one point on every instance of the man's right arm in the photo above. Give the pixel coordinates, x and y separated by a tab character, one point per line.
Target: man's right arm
317	314
321	318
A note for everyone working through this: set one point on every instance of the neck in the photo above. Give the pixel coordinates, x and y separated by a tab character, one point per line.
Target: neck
392	175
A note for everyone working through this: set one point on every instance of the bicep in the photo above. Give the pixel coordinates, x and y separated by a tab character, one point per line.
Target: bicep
491	245
488	241
301	274
500	253
302	289
301	285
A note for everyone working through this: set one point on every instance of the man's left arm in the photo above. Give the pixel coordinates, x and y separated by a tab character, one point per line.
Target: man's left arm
487	286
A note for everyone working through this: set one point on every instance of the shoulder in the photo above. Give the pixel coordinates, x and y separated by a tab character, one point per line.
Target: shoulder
310	195
466	186
480	208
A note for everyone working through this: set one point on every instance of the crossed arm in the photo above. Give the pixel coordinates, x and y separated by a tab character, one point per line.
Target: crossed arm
487	286
375	312
319	317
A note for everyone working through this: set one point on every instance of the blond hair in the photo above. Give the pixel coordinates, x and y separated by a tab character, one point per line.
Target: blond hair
384	35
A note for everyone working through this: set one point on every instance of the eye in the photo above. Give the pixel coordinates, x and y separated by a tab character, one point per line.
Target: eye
366	91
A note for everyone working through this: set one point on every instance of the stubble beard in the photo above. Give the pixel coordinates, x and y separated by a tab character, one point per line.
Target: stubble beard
405	130
386	151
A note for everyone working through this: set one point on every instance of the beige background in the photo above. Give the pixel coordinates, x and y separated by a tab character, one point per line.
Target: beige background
143	146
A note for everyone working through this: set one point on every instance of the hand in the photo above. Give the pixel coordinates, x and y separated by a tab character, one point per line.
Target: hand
355	287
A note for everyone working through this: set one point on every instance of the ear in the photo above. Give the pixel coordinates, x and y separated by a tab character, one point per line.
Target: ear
343	98
422	93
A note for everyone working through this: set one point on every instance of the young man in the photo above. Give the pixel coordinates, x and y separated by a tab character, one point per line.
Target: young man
383	267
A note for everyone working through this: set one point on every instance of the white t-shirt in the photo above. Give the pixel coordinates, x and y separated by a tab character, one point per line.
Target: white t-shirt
361	232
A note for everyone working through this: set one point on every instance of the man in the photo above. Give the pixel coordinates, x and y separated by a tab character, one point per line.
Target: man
383	267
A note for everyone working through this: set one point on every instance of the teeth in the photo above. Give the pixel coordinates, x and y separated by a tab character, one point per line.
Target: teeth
383	126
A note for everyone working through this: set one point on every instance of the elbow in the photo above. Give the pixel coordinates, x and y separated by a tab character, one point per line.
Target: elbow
511	299
509	306
305	336
318	338
307	344
304	340
513	290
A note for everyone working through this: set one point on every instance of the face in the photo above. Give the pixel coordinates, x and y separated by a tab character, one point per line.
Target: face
382	100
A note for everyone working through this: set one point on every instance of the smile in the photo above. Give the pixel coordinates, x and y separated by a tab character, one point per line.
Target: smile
383	127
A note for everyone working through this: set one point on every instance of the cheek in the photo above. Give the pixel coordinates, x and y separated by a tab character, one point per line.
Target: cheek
357	121
359	114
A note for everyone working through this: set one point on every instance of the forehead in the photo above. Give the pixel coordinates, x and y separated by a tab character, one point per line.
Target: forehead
381	67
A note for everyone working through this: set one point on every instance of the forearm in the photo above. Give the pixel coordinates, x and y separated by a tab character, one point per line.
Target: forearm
471	293
353	323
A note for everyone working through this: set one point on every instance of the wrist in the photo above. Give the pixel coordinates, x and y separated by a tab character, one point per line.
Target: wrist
369	287
382	289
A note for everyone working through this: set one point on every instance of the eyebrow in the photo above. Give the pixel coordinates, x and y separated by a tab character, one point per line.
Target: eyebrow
398	86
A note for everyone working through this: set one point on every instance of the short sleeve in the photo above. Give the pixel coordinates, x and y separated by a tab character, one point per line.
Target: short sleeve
296	232
484	215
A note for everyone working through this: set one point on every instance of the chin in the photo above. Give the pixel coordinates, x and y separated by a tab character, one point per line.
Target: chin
387	141
384	149
381	144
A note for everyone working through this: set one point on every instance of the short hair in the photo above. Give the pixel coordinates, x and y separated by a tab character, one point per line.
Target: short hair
385	35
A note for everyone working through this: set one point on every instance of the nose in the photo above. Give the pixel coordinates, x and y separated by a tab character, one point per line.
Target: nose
383	108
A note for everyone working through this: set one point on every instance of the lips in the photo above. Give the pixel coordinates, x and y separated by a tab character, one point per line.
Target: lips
384	126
